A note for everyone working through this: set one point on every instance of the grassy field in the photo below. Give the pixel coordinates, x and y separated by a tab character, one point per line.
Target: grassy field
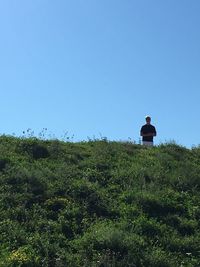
98	203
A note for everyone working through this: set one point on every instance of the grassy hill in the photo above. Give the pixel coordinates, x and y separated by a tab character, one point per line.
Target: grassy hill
98	203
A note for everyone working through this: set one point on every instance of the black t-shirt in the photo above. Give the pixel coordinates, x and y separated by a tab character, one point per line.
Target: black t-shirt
148	128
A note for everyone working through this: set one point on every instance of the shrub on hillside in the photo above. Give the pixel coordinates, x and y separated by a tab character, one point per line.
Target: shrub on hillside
33	148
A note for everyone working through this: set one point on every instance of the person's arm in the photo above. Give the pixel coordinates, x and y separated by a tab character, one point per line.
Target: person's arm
154	133
148	134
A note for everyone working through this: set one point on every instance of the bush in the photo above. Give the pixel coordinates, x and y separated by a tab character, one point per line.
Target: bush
98	203
34	148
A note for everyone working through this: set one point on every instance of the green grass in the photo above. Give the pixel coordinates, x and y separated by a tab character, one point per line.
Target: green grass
98	203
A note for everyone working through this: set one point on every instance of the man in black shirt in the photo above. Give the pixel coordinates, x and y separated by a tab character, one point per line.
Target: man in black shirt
147	132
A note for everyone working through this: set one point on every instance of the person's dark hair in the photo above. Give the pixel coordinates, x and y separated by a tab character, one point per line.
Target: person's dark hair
148	117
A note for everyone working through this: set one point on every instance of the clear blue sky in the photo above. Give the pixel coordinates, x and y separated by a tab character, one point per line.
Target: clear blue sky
99	66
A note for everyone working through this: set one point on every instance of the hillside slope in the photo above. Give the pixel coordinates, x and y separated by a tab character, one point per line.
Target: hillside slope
98	203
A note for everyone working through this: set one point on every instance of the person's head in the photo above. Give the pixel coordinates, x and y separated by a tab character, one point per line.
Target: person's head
148	119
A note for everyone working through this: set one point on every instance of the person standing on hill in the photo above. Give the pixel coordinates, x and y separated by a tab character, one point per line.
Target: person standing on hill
147	132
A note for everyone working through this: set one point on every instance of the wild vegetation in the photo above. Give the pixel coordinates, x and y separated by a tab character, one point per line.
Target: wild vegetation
98	203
